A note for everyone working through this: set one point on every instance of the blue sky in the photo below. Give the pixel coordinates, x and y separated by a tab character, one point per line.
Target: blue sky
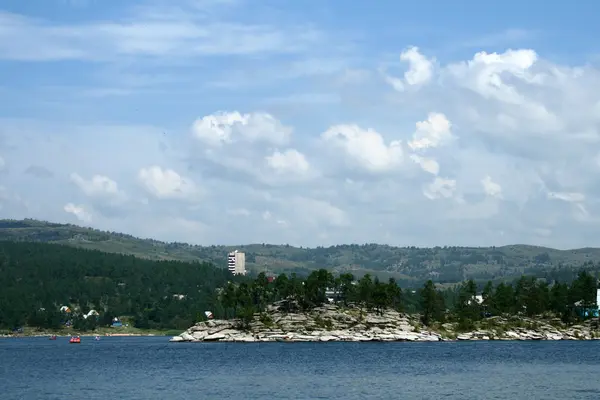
309	123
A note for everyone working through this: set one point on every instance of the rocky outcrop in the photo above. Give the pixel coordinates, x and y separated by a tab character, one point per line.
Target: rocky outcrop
330	323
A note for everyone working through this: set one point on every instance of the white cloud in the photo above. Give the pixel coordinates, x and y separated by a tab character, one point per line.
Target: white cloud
79	211
233	128
174	31
440	188
427	164
320	213
491	188
483	74
433	132
365	147
97	186
421	69
290	161
167	184
568	197
419	73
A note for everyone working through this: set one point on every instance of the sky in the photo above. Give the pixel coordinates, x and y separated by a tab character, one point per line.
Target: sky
309	123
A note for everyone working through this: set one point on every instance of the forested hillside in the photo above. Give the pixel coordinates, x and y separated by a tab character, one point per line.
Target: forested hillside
36	279
410	266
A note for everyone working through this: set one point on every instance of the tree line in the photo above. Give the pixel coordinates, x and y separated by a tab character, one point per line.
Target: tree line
528	296
302	294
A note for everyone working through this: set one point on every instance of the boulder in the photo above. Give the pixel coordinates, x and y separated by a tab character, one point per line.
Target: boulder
214	337
187	337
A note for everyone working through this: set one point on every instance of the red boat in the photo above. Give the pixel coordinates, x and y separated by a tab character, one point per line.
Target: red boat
75	339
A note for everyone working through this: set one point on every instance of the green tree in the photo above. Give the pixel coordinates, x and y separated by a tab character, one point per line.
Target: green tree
532	297
559	302
380	296
503	299
431	304
347	288
488	296
583	289
468	309
365	291
394	294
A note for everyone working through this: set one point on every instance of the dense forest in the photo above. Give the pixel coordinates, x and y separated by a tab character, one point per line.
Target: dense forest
410	266
37	279
527	296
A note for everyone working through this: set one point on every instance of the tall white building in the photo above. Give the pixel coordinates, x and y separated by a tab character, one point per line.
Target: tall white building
236	262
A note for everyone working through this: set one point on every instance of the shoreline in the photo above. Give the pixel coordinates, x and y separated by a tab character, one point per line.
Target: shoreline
78	334
29	332
333	324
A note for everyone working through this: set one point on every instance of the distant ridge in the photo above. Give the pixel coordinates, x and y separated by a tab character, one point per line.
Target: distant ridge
410	265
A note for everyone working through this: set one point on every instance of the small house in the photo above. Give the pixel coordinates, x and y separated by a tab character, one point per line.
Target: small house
91	313
65	309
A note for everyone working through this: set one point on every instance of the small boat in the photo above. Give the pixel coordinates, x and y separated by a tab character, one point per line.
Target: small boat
75	339
52	337
97	337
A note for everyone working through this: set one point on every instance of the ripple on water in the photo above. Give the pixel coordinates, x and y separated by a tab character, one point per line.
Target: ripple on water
149	368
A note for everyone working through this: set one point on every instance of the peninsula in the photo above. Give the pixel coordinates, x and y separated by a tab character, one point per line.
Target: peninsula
331	323
328	308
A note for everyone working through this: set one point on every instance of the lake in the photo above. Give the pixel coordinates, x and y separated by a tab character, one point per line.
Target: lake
147	368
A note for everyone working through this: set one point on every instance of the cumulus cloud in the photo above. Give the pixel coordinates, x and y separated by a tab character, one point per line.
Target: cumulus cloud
433	132
79	211
420	70
365	148
440	188
97	186
233	127
167	184
290	161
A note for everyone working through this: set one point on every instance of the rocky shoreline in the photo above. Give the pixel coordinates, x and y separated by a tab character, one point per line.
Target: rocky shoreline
333	324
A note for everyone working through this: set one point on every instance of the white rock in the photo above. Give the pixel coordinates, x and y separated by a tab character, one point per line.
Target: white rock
199	335
215	336
187	337
327	338
512	335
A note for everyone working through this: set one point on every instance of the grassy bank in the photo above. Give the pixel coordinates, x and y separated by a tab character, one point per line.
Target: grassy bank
103	331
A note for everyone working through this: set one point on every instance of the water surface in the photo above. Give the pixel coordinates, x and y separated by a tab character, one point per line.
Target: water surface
147	368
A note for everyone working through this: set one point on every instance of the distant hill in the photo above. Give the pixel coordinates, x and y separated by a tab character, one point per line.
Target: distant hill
410	265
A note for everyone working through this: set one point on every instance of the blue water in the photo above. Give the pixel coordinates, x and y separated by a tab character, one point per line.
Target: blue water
152	368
